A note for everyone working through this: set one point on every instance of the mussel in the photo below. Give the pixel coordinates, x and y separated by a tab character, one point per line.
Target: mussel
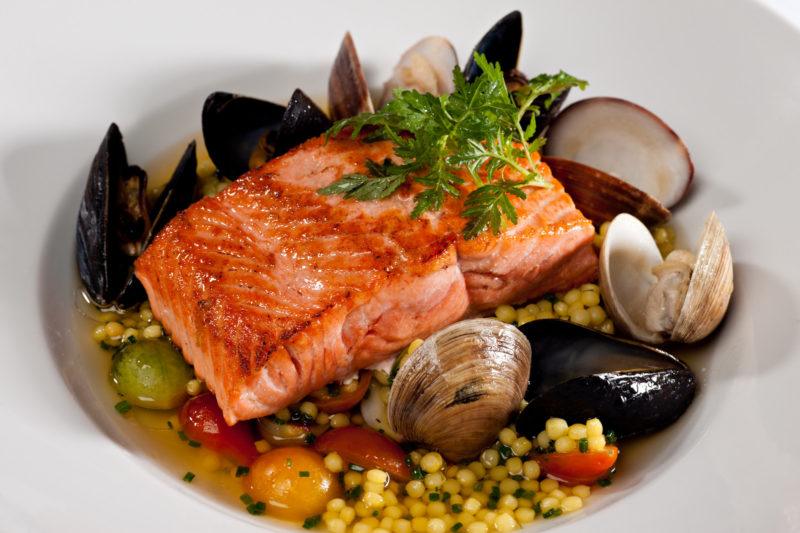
578	373
115	223
501	45
301	121
459	388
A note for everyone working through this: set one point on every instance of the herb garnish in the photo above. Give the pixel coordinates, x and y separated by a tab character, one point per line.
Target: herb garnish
479	127
311	522
304	473
188	477
123	407
242	471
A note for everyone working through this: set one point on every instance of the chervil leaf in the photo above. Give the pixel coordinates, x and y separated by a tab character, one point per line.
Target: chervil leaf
486	206
382	181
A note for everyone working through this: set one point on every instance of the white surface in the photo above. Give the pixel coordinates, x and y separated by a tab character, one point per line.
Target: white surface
724	74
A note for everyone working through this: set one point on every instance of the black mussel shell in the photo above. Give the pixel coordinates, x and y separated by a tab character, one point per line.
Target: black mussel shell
301	121
578	373
547	113
236	127
348	92
178	194
112	220
501	44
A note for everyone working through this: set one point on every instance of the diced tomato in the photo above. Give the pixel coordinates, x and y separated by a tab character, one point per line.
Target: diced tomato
576	468
203	422
366	448
345	401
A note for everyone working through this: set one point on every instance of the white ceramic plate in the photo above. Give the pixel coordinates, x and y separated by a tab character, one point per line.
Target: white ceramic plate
725	75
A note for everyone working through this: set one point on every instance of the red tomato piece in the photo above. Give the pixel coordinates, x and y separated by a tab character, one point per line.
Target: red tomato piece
576	468
345	401
202	421
366	448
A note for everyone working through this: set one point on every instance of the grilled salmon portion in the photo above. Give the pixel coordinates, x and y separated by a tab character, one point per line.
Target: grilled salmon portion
272	291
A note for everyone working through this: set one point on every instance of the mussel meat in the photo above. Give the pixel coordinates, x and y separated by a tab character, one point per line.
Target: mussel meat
578	373
115	224
348	92
680	298
459	388
627	141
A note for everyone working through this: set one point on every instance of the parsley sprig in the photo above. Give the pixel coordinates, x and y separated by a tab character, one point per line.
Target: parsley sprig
480	127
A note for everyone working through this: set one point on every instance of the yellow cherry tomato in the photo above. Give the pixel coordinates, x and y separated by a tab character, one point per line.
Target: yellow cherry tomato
293	482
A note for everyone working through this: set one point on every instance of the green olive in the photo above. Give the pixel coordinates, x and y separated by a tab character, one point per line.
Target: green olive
151	373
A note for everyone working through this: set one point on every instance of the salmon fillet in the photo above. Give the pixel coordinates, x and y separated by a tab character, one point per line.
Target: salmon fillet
272	291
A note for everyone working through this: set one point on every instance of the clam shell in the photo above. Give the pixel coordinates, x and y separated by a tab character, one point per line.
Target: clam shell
458	390
710	287
601	196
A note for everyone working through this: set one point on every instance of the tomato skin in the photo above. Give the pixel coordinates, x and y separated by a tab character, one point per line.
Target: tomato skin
366	448
275	478
576	468
202	420
344	402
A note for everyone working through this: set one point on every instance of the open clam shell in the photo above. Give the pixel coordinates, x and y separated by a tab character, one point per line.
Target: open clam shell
578	373
426	67
601	196
457	390
688	298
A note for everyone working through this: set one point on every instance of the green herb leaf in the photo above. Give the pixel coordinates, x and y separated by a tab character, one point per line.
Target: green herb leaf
304	473
354	493
605	482
479	128
552	513
242	471
182	435
434	496
456	508
194	444
257	508
188	477
456	526
311	522
583	445
416	472
246	499
611	436
123	407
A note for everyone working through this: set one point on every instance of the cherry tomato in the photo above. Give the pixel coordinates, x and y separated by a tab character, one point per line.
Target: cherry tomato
576	468
366	448
293	483
344	401
202	421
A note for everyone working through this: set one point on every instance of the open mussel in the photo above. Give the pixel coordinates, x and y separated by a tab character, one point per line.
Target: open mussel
459	388
115	223
578	373
301	121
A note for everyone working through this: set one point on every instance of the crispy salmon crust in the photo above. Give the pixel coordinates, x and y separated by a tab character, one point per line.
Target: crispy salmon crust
272	290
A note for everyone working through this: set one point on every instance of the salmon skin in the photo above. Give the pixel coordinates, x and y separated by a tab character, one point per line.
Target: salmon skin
272	290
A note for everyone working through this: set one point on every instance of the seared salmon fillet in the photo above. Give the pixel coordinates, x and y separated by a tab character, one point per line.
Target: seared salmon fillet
272	290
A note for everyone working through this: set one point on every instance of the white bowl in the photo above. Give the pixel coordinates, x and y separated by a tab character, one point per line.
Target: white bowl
724	75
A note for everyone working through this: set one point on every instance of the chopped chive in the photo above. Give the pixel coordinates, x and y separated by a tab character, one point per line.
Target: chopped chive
477	487
354	493
123	407
242	471
131	340
375	512
519	493
517	477
605	482
246	499
445	496
169	424
537	508
505	452
433	496
182	435
611	436
256	508
194	444
105	346
583	445
456	508
552	513
304	473
188	477
310	439
289	462
416	473
456	526
312	521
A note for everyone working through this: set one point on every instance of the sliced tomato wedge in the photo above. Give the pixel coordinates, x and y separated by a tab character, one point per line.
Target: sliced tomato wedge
367	448
576	468
344	401
202	421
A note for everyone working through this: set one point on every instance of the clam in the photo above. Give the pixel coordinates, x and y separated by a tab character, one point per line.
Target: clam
115	223
601	196
578	373
348	92
680	298
426	67
627	141
459	388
